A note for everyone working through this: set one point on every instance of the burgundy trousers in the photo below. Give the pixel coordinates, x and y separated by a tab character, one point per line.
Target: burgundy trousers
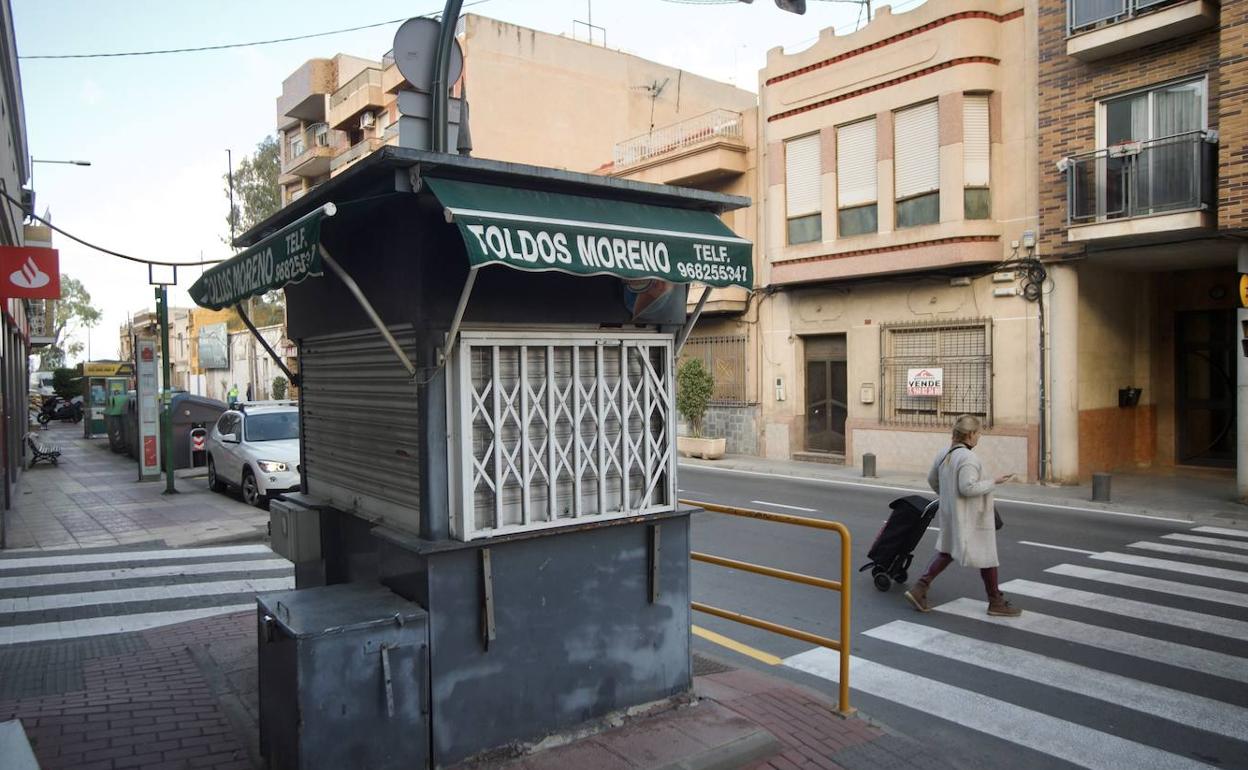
942	560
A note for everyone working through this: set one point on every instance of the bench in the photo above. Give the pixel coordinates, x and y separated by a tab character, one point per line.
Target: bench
42	452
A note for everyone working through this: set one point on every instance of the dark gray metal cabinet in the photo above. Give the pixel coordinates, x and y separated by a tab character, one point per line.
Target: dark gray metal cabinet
343	679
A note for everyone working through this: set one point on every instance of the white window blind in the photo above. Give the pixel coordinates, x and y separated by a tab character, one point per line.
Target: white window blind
855	164
916	150
801	176
975	142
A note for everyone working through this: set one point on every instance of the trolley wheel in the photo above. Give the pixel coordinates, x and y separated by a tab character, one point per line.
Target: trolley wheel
881	581
900	576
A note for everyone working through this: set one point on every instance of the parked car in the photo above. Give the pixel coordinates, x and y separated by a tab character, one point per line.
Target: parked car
255	448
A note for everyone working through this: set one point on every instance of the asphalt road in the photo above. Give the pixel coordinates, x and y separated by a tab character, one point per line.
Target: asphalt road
1104	671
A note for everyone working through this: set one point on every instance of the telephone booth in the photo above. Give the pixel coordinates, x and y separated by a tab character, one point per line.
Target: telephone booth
486	359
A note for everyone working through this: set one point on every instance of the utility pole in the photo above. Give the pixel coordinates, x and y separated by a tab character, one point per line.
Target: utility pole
162	311
441	71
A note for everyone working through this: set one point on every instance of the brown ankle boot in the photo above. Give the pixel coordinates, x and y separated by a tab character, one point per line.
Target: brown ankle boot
917	596
999	607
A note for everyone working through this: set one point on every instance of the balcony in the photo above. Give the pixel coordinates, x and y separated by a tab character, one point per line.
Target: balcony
309	153
304	93
361	93
1102	28
392	80
1142	191
357	151
693	152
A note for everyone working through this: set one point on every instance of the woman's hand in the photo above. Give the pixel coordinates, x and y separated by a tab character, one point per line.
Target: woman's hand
1003	479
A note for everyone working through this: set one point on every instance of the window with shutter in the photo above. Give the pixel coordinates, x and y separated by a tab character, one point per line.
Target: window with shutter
856	192
561	429
916	154
976	157
802	190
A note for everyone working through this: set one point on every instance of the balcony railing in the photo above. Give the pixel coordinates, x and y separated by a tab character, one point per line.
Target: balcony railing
357	151
367	77
724	124
1085	14
1140	179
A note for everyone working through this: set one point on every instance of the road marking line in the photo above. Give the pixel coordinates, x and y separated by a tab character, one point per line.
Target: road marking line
1079	745
116	624
1222	531
1130	608
1121	642
790	507
1186	590
1235	544
137	573
1165	702
736	646
1186	568
1056	547
121	557
890	488
1201	553
147	594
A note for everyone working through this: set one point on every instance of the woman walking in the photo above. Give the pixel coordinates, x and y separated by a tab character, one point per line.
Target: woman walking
967	518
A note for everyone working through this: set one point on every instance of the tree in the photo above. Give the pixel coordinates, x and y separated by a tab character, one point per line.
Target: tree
694	386
66	383
256	192
279	388
72	312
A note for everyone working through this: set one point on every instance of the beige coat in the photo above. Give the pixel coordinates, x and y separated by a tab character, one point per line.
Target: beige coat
967	524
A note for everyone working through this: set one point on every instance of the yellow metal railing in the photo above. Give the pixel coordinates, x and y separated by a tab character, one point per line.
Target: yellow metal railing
842	586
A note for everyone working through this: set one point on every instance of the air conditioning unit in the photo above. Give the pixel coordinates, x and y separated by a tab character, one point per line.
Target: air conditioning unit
368	120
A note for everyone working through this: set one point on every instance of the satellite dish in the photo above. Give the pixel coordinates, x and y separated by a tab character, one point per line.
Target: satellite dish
415	44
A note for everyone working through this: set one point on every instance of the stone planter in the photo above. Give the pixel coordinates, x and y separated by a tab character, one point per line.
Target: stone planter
706	448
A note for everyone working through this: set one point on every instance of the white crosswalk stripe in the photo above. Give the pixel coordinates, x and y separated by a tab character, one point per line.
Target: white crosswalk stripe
1047	650
1056	737
56	597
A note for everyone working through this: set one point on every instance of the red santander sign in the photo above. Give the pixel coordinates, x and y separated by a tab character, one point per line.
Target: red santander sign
29	273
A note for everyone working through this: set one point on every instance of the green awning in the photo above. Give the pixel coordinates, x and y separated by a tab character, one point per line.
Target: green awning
531	230
288	256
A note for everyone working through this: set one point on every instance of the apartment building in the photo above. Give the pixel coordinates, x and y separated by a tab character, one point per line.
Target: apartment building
900	196
1143	192
146	323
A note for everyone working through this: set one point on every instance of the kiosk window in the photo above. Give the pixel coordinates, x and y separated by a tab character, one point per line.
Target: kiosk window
554	431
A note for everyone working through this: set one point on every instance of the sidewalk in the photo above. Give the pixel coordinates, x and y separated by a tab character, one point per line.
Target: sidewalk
1202	497
91	499
185	696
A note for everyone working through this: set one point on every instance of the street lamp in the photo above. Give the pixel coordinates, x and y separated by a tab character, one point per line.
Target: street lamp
33	161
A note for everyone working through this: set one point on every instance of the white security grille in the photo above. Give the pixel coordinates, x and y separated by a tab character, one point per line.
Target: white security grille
559	429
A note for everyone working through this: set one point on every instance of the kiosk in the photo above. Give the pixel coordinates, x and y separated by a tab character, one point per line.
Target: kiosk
486	368
102	381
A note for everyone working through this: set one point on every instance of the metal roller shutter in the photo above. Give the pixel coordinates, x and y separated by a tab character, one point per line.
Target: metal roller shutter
801	176
916	148
361	424
855	164
975	141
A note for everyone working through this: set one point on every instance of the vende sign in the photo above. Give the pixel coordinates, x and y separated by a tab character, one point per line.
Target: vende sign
28	272
925	382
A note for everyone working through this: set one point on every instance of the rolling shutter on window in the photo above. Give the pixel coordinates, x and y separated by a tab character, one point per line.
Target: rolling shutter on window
855	164
916	147
801	176
975	142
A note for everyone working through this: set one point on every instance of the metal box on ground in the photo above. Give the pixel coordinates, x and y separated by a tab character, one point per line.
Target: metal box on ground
343	679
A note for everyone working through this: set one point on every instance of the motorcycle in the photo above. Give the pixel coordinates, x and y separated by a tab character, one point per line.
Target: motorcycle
57	408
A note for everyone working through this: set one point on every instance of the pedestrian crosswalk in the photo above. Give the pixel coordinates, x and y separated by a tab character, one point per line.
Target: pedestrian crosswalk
1163	637
67	595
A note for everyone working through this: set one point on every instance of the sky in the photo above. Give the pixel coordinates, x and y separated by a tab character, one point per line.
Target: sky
156	129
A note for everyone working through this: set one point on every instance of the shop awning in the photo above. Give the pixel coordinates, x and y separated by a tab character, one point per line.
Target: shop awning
532	230
288	256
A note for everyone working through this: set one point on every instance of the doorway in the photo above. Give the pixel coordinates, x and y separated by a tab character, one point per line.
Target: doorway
827	387
1204	403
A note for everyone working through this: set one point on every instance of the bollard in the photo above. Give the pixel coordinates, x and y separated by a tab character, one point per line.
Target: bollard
868	466
1100	487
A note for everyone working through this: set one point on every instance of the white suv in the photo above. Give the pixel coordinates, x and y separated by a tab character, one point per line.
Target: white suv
255	447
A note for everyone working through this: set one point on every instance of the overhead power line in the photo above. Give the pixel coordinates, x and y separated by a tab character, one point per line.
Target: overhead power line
225	46
109	252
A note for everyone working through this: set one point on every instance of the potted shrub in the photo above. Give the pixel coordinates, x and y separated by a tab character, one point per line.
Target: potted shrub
694	386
